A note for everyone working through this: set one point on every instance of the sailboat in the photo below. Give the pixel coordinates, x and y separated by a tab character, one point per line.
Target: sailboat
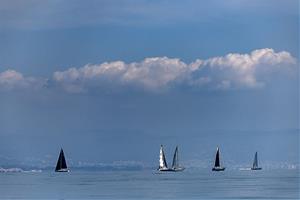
255	163
217	166
175	163
163	166
61	165
163	163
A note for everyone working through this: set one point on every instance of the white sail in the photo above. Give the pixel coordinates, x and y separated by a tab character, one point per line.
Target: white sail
162	159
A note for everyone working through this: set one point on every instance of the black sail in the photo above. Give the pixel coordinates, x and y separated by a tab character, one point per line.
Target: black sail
61	162
255	162
217	161
164	160
175	159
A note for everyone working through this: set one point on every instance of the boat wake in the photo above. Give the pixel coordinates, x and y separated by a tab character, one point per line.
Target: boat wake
19	170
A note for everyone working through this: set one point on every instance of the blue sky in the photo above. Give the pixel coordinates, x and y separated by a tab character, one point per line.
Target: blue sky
112	80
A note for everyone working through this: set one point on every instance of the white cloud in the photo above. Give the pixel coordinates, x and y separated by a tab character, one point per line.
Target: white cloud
231	71
11	79
248	70
151	73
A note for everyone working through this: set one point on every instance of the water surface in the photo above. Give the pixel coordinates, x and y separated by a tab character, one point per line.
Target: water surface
147	184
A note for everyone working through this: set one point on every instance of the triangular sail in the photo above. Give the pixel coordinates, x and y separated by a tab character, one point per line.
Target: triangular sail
175	163
255	162
61	162
162	158
217	160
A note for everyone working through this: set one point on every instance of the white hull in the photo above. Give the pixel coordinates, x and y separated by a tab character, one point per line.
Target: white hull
180	169
171	169
62	170
218	168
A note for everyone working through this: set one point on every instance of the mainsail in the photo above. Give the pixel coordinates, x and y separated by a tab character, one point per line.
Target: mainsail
61	162
217	160
218	166
175	163
255	162
162	159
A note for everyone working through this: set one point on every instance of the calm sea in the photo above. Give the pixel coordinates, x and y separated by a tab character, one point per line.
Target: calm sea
147	184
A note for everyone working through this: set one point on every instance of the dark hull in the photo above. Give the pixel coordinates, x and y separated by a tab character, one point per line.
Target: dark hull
256	168
217	169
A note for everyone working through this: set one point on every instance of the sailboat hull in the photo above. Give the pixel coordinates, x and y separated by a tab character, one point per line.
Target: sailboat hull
172	169
180	169
256	168
62	170
165	170
218	169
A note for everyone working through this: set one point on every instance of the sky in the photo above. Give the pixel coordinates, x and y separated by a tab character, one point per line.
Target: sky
109	81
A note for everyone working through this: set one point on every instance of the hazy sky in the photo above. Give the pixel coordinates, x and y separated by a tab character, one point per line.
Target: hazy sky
112	80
